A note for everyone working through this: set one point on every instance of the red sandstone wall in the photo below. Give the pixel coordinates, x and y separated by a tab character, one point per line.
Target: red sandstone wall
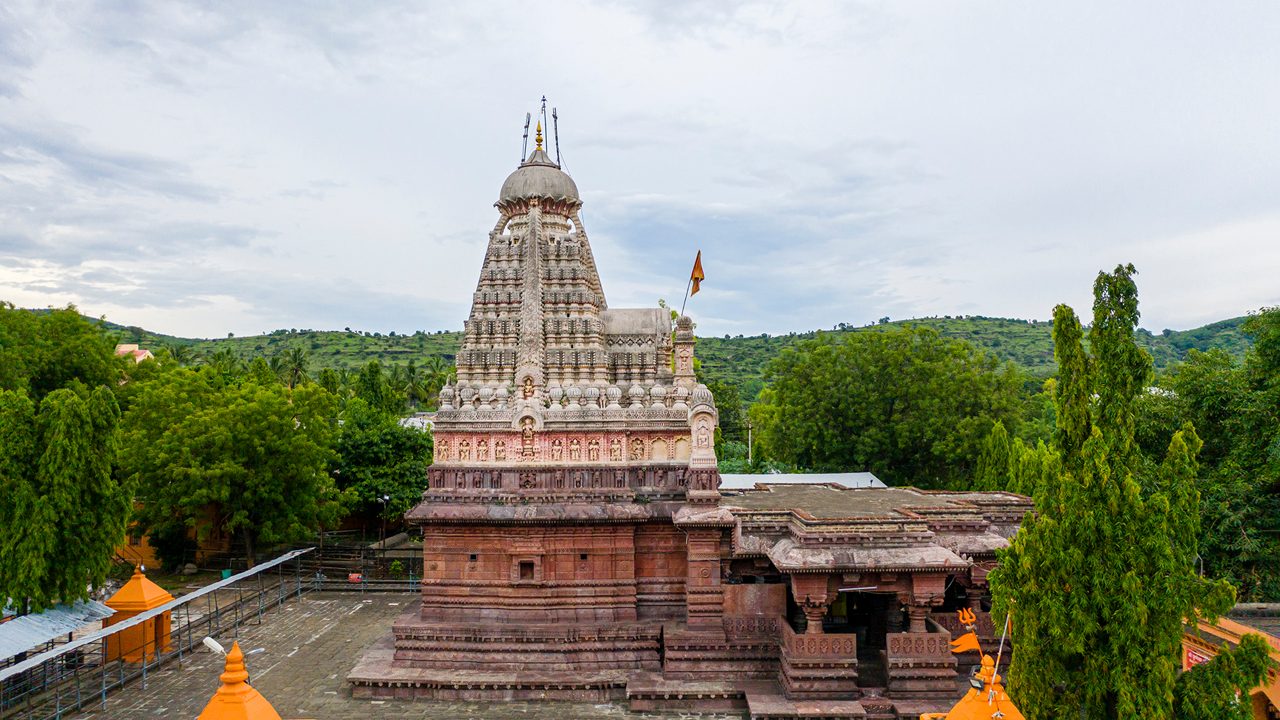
765	600
661	569
579	574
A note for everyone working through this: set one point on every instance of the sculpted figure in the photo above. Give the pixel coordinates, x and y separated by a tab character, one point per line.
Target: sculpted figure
526	439
704	435
557	450
482	450
637	449
593	450
615	450
442	450
575	450
500	450
464	450
527	391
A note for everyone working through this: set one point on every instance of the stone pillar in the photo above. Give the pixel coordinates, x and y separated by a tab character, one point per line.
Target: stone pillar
918	614
810	592
704	596
893	622
684	342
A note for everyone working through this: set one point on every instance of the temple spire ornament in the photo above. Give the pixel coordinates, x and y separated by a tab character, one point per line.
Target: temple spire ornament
538	137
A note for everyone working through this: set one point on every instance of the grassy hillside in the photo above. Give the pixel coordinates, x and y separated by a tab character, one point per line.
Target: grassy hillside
1028	343
737	359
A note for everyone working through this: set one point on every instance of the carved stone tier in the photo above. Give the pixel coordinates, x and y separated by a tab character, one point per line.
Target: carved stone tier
815	666
579	647
709	655
920	665
557	483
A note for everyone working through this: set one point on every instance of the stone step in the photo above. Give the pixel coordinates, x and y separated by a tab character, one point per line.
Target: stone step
773	705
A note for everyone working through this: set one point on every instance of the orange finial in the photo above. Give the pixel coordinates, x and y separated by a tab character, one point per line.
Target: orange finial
236	699
538	137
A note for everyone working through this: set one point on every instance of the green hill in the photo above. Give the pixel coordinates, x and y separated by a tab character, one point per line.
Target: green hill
738	359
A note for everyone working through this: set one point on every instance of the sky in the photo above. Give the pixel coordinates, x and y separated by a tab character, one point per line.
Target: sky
201	169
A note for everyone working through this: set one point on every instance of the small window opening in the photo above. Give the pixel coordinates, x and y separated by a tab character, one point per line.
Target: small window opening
526	570
474	557
582	556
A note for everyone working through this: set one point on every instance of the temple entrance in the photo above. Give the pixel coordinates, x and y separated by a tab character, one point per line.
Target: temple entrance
866	614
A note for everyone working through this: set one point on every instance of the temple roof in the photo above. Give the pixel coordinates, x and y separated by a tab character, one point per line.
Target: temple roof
139	594
538	177
825	501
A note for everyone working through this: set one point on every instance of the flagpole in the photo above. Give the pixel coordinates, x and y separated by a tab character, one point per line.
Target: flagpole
686	295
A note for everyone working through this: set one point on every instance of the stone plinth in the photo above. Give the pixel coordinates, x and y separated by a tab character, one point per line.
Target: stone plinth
818	666
920	665
574	649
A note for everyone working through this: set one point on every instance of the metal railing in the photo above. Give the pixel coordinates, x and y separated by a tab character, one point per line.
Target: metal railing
73	675
50	684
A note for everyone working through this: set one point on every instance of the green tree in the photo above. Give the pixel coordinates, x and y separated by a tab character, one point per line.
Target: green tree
378	458
295	366
249	458
41	351
437	373
1220	689
906	404
1236	407
374	387
62	514
1100	579
995	461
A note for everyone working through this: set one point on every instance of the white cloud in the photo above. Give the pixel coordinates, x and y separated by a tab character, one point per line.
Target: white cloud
244	166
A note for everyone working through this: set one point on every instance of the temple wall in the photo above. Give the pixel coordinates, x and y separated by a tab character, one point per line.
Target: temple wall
661	567
522	574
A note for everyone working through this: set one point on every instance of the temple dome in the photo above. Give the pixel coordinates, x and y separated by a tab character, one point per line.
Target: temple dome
538	177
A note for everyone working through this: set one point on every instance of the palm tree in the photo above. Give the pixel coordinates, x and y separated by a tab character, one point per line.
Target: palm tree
438	373
226	362
414	384
180	354
293	366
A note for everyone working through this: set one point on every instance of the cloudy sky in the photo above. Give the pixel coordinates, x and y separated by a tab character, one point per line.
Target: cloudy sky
200	169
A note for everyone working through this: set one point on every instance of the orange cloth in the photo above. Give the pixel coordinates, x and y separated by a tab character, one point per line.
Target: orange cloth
966	643
982	704
697	276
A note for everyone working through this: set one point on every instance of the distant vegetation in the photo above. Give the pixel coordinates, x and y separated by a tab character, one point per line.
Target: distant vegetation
736	360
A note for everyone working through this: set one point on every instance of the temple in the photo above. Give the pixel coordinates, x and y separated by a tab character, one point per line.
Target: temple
577	544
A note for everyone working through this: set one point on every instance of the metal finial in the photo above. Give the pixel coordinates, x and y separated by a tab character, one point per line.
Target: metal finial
538	138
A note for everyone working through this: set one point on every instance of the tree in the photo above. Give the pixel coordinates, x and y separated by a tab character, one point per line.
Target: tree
1236	407
294	366
1099	581
249	459
41	351
1220	689
993	469
437	374
62	514
374	387
905	403
378	458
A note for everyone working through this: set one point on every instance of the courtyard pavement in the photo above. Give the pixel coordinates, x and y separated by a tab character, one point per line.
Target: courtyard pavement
298	658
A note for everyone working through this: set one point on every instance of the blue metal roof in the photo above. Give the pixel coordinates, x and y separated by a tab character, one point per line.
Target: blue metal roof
31	631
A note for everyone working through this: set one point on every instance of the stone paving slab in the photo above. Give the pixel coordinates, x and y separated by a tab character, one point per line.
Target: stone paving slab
307	649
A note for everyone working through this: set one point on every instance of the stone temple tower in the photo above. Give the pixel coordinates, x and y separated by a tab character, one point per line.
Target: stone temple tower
577	544
573	448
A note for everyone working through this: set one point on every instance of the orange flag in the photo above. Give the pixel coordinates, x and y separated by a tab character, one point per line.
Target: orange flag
697	276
